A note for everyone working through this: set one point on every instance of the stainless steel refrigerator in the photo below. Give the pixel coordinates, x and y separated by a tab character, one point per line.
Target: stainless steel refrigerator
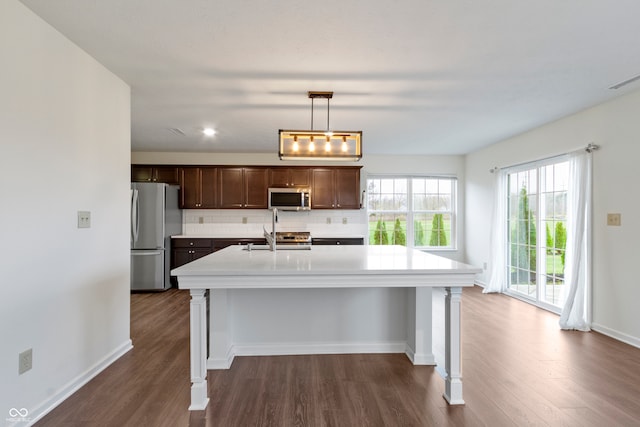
155	217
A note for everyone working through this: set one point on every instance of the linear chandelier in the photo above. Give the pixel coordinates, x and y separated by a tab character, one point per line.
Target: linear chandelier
320	144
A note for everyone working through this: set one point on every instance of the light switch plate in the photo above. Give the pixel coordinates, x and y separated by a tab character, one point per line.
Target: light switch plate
84	219
25	361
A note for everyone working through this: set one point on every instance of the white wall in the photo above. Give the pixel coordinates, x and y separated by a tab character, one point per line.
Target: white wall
349	319
616	128
65	135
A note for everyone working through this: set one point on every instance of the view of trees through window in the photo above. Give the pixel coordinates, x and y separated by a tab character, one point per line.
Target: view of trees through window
411	211
537	203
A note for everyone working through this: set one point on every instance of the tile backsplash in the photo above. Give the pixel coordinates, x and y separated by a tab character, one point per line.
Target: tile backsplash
249	222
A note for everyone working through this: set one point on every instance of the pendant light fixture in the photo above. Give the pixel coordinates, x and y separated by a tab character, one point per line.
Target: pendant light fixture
320	144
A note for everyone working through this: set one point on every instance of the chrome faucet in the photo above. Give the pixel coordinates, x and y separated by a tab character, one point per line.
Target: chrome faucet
271	237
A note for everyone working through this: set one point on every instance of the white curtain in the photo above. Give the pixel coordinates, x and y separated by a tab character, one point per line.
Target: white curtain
575	313
498	238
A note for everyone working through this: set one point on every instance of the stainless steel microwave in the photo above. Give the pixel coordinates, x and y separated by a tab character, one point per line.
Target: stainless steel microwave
290	199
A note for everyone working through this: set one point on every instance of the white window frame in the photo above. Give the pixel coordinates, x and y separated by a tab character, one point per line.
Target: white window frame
453	246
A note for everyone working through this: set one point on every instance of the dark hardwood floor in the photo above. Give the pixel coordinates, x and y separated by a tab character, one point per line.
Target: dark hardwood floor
518	369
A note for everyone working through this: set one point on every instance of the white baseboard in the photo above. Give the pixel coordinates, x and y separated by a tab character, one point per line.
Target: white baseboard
421	358
74	385
282	349
279	349
221	362
620	336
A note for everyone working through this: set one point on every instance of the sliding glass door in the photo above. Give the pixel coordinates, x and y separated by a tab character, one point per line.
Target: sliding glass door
536	221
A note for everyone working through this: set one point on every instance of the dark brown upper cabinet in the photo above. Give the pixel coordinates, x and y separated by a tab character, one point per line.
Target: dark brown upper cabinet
335	188
198	187
243	187
290	177
147	173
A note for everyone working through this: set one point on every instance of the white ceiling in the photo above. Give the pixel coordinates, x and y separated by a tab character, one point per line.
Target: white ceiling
416	76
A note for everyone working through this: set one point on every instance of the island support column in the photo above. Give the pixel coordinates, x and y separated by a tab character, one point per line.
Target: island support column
198	339
420	326
453	360
219	334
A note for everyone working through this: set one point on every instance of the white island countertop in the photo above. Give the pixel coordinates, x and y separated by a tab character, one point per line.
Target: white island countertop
374	265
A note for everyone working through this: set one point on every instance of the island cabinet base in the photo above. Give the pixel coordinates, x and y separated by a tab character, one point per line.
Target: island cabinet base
217	306
260	322
328	299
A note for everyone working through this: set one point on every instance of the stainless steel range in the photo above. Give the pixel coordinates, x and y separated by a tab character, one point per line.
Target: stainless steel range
293	238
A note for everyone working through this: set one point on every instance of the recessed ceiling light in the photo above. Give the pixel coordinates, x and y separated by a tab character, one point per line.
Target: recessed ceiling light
209	131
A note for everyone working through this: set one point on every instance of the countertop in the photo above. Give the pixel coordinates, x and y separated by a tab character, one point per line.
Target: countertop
323	266
254	236
216	236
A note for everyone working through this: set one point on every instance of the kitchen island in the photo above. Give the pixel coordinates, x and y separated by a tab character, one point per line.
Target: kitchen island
323	267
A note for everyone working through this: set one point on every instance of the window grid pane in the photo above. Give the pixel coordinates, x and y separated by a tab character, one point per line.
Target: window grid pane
414	211
555	213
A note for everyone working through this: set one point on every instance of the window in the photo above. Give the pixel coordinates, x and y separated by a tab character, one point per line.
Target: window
537	236
414	211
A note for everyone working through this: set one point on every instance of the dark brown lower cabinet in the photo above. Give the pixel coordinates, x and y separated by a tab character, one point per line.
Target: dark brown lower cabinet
338	241
185	250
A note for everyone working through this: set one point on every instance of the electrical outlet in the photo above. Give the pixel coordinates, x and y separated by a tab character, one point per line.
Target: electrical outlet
84	219
244	219
25	361
328	220
200	220
614	219
344	220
